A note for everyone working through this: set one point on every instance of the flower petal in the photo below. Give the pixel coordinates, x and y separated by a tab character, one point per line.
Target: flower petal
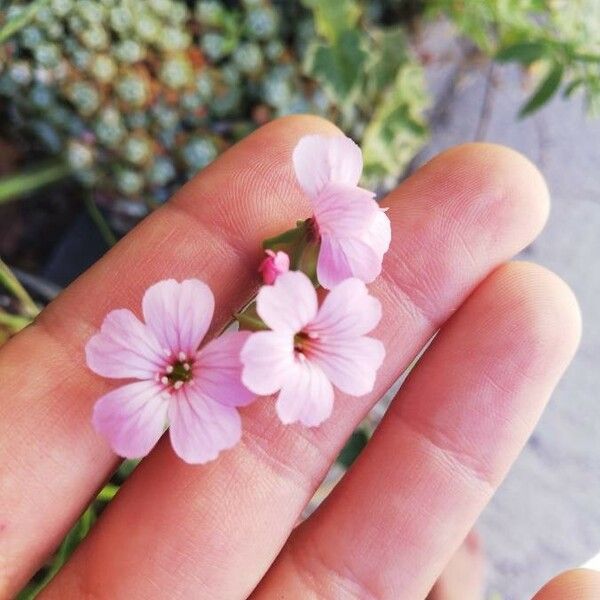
355	234
289	304
350	364
124	348
342	258
218	370
132	418
267	357
319	159
378	235
348	311
306	396
344	211
200	427
179	313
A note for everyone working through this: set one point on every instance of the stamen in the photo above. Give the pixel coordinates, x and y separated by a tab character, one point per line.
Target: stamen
186	366
164	380
169	369
178	384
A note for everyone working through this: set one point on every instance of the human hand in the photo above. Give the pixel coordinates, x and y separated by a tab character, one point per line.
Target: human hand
222	529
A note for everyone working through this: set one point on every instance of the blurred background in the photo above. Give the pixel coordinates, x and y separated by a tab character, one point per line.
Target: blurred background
108	106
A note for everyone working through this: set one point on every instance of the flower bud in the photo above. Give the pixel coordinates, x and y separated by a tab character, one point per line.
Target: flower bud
274	264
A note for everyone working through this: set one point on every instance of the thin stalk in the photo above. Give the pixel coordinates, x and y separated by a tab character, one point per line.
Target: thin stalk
108	492
14	322
21	184
17	23
14	287
99	220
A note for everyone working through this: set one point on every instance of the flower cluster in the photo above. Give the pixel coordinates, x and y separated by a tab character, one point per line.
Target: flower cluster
287	343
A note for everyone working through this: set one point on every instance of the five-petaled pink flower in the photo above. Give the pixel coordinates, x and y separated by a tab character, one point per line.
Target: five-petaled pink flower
354	232
195	391
273	265
310	348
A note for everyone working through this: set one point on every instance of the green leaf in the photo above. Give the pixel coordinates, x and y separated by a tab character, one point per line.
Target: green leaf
388	55
547	88
333	17
339	67
398	128
290	238
523	52
573	86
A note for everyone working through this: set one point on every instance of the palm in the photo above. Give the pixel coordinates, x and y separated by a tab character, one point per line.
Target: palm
221	530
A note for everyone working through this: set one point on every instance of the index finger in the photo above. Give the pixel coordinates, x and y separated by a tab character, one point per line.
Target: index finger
51	460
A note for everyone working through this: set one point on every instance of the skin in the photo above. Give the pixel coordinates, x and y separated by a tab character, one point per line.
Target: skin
224	530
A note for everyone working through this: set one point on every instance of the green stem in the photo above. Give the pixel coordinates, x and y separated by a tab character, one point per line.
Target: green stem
17	23
99	220
108	492
14	287
14	322
21	184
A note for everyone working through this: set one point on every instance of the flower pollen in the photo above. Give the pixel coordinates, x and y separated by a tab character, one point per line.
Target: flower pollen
178	372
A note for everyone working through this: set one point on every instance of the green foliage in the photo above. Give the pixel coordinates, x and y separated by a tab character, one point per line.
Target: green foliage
546	89
339	66
369	74
559	39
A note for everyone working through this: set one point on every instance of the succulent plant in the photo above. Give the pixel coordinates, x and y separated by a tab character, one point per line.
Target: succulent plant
138	95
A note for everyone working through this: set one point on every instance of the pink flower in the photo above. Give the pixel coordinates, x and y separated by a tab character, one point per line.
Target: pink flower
310	349
196	391
273	265
354	231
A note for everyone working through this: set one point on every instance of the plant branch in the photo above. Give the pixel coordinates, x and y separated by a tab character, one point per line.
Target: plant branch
17	23
99	220
14	287
21	184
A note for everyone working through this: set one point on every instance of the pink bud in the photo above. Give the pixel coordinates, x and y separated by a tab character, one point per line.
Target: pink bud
274	264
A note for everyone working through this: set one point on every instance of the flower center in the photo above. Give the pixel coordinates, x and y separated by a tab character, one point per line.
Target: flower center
303	341
178	372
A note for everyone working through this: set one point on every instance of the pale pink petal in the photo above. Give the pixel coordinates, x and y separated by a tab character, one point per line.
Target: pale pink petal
350	364
342	258
124	348
378	234
179	313
267	357
332	265
200	427
132	418
344	211
319	159
218	370
348	311
288	304
306	396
